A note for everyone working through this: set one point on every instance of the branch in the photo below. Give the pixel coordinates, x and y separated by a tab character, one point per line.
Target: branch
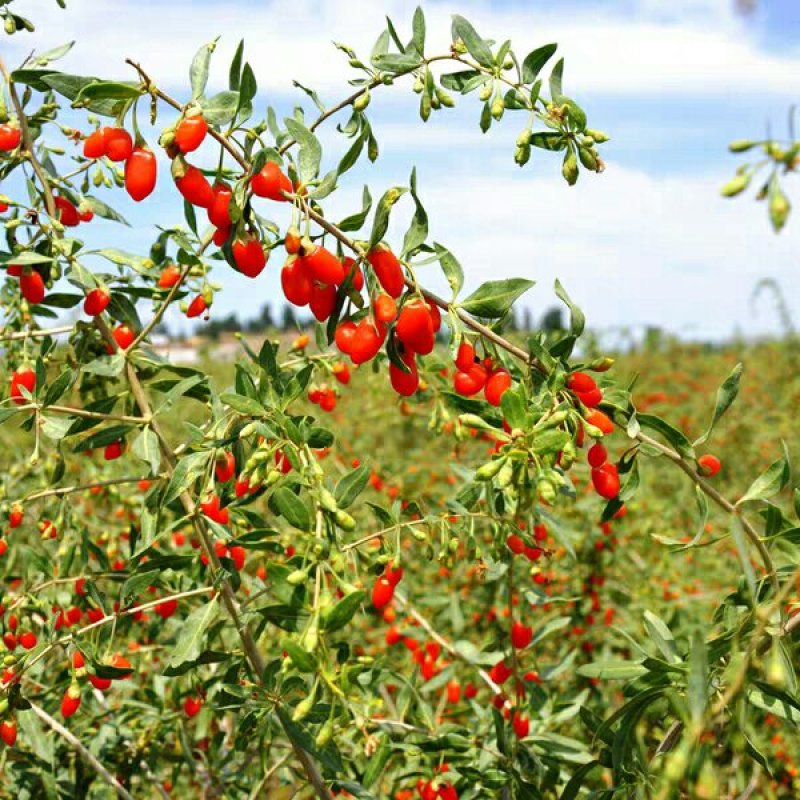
75	743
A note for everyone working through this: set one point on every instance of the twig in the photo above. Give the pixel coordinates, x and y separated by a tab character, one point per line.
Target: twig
71	739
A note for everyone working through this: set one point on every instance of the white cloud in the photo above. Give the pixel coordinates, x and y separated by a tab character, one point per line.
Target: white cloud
690	46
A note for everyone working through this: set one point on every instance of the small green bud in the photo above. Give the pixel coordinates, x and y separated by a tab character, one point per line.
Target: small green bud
569	169
362	101
419	85
524	138
444	98
485	92
598	136
498	106
325	734
297	577
736	185
741	145
488	470
779	208
588	158
345	521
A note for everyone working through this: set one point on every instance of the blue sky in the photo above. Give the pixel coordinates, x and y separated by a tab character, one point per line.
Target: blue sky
648	242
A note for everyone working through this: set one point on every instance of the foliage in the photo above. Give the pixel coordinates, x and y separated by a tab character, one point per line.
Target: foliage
267	599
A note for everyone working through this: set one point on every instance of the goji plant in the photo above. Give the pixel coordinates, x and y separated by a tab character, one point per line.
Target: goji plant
296	576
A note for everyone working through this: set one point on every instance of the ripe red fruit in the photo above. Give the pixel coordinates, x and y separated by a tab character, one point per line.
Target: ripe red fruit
292	241
271	182
415	327
249	256
10	136
71	701
322	301
393	574
190	133
515	544
341	372
496	385
32	287
471	382
521	724
114	450
367	340
465	358
221	235
87	215
382	592
296	282
323	266
385	309
709	465
100	684
196	307
28	640
25	378
16	513
225	467
600	420
140	173
169	276
581	382
123	336
212	510
344	336
192	706
195	188
352	271
8	732
606	480
67	213
393	636
521	635
597	455
219	210
405	383
96	302
388	270
590	399
237	554
94	145
453	691
166	609
500	672
119	144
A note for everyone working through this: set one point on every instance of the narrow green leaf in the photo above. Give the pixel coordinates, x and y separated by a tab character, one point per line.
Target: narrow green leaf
189	644
494	298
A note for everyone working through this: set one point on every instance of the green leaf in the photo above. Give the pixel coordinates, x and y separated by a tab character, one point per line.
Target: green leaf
697	681
535	60
242	404
145	446
302	659
108	90
221	108
573	787
418	31
662	637
463	81
576	316
235	71
356	221
675	437
556	77
612	670
377	763
351	486
343	611
101	438
101	209
726	394
451	268
381	222
189	644
737	532
43	59
310	155
494	298
198	72
769	483
187	470
477	47
417	232
292	508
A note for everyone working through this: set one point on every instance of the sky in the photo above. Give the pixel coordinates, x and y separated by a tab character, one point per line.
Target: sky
648	242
